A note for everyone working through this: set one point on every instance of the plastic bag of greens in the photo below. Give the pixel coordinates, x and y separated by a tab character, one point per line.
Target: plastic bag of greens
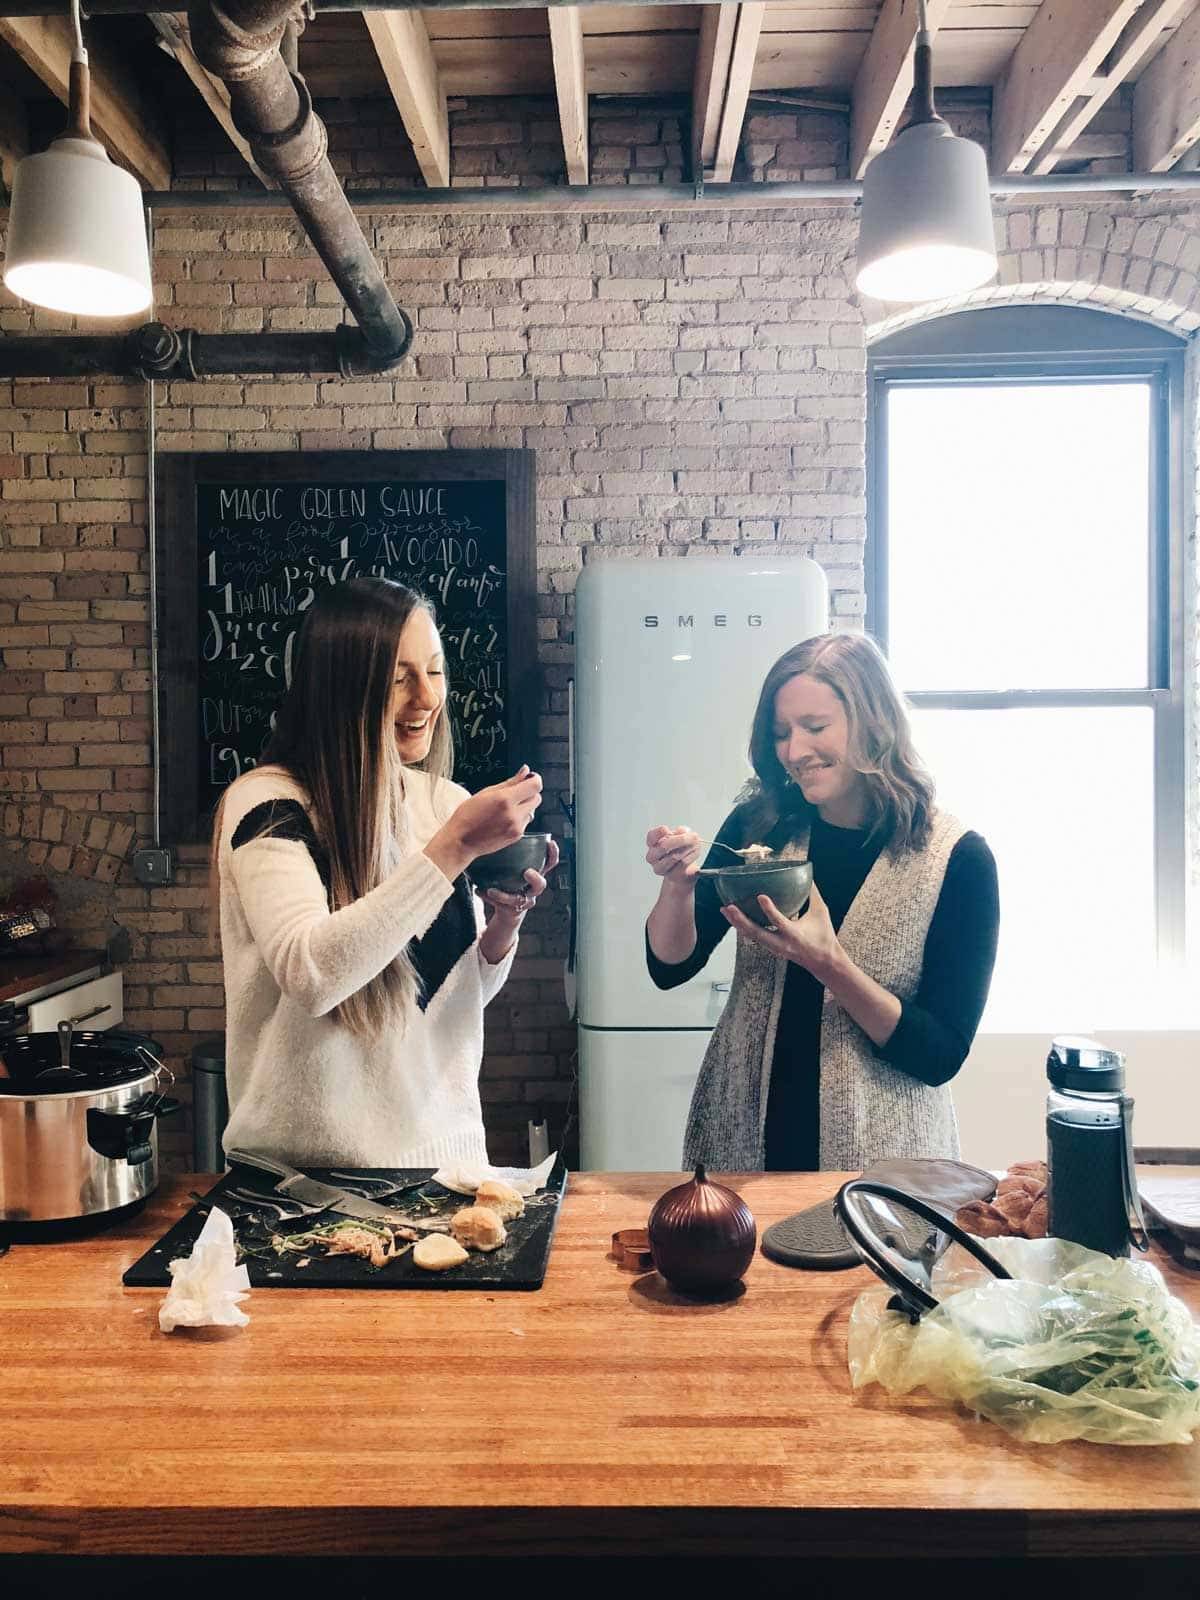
1074	1345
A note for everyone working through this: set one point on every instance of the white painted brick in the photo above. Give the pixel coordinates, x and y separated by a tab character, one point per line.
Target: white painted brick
416	392
570	389
644	337
552	290
429	269
492	341
531	415
704	289
720	266
570	264
489	267
629	235
632	288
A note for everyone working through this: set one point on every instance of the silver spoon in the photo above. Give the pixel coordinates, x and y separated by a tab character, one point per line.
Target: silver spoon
747	857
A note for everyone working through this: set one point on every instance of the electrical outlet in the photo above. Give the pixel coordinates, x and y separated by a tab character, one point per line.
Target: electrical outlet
153	865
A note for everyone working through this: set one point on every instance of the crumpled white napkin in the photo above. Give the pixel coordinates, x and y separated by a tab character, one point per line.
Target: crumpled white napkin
466	1177
207	1285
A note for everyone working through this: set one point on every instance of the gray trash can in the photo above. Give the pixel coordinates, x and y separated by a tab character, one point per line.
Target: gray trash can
210	1105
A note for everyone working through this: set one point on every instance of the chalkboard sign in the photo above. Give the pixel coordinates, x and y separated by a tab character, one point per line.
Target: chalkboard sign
245	543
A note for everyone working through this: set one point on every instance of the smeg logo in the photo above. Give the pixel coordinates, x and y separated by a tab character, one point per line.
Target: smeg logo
719	620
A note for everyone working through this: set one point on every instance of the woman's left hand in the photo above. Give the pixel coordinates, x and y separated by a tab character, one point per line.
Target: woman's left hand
809	940
513	907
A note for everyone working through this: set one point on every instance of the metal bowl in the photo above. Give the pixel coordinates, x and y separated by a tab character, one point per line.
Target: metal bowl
787	883
505	869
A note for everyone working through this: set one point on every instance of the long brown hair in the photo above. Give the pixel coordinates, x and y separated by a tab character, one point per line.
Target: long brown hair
333	735
899	788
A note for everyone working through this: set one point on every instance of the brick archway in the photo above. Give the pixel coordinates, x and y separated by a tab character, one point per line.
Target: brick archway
83	844
1141	265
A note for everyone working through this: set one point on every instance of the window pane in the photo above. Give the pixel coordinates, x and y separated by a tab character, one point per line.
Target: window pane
1064	797
1018	535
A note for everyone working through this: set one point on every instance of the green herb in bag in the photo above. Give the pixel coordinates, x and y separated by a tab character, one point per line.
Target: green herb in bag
1076	1345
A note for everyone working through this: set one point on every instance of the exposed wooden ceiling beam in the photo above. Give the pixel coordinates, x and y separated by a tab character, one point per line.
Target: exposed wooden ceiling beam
747	27
121	119
1056	61
14	138
1166	102
566	46
1140	36
172	28
884	80
714	52
402	43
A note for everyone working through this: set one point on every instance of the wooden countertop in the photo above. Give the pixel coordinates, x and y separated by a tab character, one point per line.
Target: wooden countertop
601	1414
24	975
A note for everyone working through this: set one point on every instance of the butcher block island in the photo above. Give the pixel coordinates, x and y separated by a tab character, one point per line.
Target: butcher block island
601	1414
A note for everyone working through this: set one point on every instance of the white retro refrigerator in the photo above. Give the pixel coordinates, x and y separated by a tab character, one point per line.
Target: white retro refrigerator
670	656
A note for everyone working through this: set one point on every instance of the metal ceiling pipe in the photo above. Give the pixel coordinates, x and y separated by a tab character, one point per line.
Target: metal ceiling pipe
664	196
239	41
155	351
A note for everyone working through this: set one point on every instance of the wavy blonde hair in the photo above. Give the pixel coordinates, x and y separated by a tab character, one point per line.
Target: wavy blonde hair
335	738
900	789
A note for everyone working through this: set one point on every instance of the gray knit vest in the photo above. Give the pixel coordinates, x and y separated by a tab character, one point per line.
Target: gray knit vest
869	1109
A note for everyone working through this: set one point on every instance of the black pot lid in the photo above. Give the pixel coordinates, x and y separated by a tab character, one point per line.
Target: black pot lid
31	1063
902	1238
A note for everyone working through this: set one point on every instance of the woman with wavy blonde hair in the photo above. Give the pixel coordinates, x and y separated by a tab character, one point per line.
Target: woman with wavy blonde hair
357	960
845	1025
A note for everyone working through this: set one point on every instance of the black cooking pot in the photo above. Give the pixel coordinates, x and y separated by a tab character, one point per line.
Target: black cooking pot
78	1123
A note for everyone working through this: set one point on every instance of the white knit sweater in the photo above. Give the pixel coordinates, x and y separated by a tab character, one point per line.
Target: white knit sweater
301	1086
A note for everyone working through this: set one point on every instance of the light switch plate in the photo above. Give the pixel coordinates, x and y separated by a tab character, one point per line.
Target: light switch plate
153	865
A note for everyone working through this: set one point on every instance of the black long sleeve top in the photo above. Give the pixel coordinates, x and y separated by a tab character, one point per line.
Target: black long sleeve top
936	1026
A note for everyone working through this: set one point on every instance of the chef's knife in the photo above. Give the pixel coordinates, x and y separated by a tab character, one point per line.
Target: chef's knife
295	1185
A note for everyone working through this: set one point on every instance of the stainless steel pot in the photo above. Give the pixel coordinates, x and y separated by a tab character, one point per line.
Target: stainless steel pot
78	1123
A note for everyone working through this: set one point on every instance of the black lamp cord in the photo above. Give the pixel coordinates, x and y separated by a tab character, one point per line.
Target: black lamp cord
920	105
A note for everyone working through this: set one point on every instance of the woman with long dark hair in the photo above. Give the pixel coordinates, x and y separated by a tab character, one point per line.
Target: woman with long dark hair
844	1026
357	960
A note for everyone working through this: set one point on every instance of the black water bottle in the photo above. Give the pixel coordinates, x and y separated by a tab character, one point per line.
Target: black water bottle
1092	1188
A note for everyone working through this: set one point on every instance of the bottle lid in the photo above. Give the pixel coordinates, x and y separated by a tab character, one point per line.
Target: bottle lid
1085	1065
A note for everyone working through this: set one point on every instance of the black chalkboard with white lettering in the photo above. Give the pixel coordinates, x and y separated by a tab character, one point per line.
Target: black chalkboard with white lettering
246	541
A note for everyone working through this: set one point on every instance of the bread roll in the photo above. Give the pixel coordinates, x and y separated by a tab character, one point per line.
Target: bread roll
478	1228
1015	1206
501	1198
435	1253
1036	1223
1029	1169
983	1220
1033	1186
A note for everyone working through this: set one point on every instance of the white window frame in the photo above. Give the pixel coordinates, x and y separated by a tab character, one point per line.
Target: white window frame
1061	344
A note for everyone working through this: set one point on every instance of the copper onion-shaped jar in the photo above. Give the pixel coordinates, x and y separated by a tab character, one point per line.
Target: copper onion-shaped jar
702	1235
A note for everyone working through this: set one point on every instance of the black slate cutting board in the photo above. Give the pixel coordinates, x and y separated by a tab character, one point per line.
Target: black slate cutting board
518	1264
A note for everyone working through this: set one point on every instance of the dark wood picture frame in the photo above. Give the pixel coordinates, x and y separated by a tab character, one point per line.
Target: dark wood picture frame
179	476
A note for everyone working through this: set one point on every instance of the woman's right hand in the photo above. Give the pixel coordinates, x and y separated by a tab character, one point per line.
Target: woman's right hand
674	854
499	815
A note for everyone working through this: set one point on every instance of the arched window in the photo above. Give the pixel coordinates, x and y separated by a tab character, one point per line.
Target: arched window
1025	575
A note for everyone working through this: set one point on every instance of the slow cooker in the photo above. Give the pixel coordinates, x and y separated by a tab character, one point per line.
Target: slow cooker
78	1124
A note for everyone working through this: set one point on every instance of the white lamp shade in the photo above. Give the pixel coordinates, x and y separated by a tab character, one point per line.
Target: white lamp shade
76	234
926	228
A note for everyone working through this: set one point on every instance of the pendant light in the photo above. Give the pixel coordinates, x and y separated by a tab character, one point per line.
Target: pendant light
76	231
926	227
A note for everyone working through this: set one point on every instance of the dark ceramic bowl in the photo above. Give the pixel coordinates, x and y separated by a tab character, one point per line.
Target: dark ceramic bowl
788	883
505	869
